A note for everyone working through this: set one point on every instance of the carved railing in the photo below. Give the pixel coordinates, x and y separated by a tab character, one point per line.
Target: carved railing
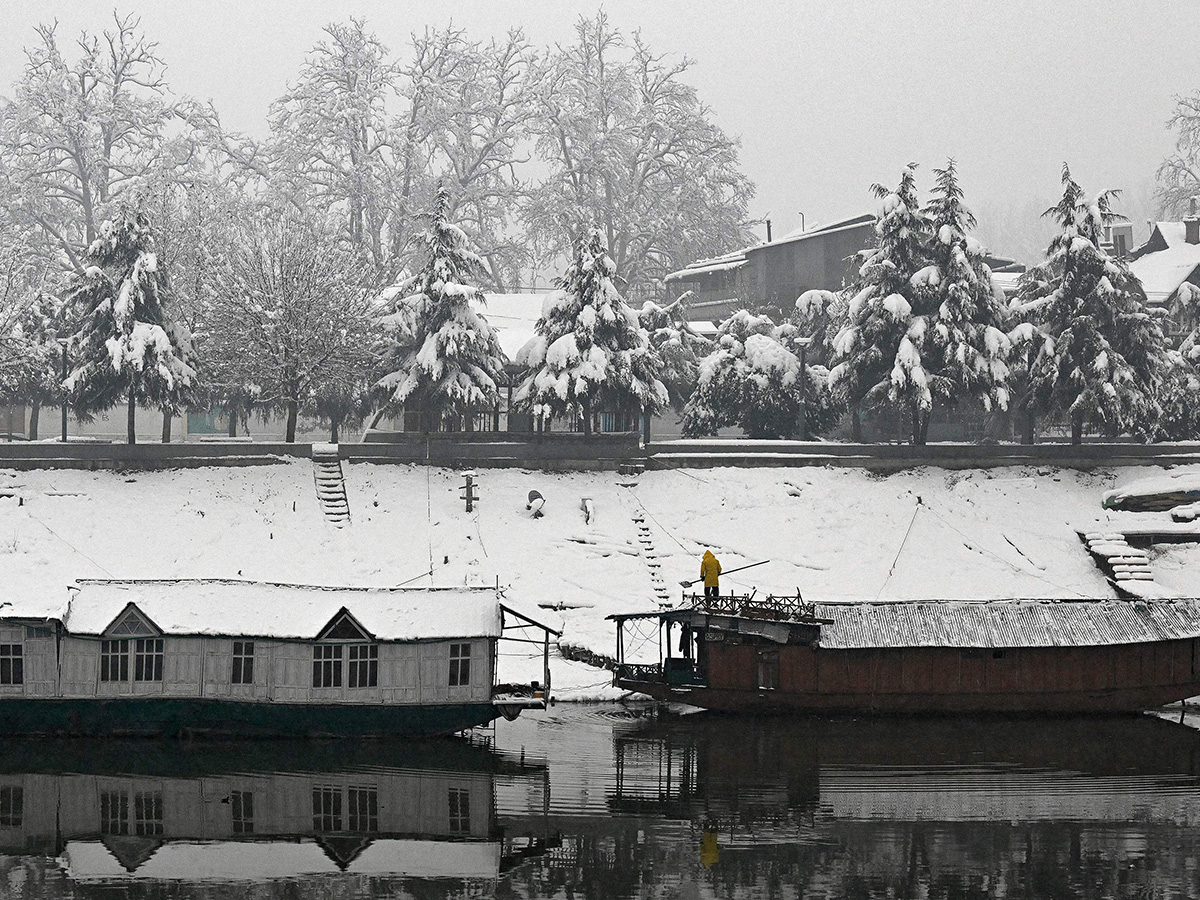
777	608
649	674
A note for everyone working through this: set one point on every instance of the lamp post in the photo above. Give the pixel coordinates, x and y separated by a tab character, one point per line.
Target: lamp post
62	343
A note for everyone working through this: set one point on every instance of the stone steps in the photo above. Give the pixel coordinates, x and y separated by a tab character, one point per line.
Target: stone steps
330	484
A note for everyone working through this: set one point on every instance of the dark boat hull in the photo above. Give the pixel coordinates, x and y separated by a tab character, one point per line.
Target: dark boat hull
1116	678
177	716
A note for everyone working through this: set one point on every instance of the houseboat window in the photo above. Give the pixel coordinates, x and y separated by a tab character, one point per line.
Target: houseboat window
242	804
327	809
12	669
363	803
768	670
148	659
147	813
12	805
460	665
243	662
460	811
327	665
114	812
114	662
364	665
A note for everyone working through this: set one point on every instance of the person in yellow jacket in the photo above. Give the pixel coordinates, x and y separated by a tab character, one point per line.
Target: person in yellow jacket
710	571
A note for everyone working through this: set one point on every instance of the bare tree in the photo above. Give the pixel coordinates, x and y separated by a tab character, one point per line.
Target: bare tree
1179	173
293	323
631	149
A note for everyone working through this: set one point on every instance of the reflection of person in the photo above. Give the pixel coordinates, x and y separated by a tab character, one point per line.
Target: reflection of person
710	571
710	851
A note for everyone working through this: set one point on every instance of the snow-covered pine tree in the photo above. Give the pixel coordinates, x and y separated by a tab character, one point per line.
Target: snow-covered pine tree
879	353
820	316
38	379
442	357
1101	354
590	352
751	380
127	345
971	347
678	345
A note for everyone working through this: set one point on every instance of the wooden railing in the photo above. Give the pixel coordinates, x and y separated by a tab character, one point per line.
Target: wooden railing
777	608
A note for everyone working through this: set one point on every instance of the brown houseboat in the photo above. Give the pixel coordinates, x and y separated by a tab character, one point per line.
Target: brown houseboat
737	653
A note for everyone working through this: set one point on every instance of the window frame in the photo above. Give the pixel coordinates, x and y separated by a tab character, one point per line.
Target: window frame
12	664
362	666
114	652
242	667
327	665
460	665
149	655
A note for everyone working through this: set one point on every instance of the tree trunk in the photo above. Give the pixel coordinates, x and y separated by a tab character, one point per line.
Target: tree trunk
916	425
855	425
293	411
1029	433
1077	429
166	431
130	430
232	422
645	428
35	409
587	417
333	431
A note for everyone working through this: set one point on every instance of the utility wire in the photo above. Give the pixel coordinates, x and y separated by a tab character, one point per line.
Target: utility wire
907	531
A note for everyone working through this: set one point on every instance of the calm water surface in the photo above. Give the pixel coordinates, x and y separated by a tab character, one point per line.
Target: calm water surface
618	802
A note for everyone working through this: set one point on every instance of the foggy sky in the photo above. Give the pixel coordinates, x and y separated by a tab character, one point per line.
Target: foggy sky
826	97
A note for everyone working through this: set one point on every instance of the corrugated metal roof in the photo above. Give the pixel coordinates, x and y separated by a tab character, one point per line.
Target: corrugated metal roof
1007	623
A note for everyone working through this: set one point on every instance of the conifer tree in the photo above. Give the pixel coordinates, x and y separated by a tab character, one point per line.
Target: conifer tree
971	349
590	352
127	345
752	379
879	352
1100	353
38	379
442	356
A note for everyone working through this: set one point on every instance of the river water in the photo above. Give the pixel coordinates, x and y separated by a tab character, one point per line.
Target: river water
617	802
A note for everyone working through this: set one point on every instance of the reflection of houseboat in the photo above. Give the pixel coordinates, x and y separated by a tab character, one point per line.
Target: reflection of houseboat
736	653
245	658
187	818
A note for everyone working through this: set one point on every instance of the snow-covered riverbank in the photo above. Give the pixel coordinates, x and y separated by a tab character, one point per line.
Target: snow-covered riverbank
832	533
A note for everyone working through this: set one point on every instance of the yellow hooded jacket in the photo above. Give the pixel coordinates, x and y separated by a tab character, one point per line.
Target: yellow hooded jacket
709	569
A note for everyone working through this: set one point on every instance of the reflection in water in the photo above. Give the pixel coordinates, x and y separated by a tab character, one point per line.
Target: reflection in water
613	802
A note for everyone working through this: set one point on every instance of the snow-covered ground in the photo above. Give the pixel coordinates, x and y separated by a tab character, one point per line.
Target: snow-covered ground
832	533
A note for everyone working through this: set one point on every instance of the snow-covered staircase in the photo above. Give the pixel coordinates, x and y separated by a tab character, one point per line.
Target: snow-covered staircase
331	485
650	555
1127	566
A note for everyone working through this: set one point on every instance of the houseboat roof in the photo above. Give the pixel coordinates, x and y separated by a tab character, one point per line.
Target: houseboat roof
267	610
258	860
991	623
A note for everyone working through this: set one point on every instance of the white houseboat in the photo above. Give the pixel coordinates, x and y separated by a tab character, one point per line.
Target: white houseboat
248	658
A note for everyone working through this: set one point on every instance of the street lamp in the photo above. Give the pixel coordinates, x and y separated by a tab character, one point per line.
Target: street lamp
62	342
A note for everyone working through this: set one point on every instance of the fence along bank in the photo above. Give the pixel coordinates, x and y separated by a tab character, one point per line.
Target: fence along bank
246	658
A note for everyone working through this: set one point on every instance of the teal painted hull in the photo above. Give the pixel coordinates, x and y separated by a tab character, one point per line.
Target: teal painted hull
179	716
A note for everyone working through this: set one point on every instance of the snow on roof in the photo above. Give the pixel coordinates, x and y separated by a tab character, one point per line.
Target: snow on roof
1007	623
802	235
704	327
266	610
513	317
1168	485
259	860
725	263
1007	281
1161	272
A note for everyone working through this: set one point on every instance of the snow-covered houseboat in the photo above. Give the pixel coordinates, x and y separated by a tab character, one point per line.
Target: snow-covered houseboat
738	653
246	658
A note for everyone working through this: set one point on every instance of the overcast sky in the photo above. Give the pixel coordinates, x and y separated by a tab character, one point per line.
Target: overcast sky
826	97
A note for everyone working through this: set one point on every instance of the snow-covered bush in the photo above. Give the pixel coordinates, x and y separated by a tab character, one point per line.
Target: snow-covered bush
441	356
677	344
752	380
1099	354
590	352
127	346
